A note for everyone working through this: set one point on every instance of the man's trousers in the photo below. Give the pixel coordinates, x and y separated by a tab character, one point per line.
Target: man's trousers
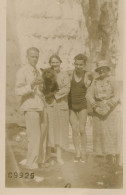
37	133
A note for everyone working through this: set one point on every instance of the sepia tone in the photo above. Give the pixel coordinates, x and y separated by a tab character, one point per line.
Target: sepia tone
65	27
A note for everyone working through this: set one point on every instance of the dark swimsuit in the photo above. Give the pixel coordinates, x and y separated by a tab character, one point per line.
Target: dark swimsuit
77	100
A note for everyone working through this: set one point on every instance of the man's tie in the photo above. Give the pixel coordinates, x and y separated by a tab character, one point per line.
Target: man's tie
35	72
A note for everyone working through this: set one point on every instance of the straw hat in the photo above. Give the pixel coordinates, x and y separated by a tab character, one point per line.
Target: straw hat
100	64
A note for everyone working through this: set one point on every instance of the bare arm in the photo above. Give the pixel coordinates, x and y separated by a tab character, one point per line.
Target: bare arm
88	79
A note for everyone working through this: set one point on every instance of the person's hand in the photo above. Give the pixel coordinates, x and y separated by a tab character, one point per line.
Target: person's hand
88	83
98	110
90	76
102	110
93	104
36	82
111	103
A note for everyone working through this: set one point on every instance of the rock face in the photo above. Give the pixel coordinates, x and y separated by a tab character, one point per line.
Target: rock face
102	24
65	27
52	26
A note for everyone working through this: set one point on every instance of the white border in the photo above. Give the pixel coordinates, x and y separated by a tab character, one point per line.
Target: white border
41	191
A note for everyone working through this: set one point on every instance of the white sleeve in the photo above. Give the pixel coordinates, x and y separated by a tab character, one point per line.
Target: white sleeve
22	88
65	89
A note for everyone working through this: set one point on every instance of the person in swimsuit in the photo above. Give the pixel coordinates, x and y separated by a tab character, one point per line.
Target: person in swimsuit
80	81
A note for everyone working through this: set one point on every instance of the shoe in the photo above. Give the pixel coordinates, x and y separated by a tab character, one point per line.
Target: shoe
44	165
68	185
60	161
82	160
76	159
32	167
23	162
52	162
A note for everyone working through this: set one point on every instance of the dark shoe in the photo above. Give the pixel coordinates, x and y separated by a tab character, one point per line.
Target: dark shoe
68	185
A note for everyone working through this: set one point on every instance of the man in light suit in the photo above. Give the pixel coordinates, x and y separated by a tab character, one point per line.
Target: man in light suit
31	103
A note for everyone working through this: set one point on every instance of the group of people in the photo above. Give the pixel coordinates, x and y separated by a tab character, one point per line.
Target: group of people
47	115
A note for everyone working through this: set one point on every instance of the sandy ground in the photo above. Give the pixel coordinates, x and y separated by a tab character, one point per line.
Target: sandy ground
94	174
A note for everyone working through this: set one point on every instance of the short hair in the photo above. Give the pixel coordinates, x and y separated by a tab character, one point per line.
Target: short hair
32	49
81	57
54	56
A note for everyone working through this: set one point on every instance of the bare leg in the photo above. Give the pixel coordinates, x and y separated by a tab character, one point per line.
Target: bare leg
83	138
75	131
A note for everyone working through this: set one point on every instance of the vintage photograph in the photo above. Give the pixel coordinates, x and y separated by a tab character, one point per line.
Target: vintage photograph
64	94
